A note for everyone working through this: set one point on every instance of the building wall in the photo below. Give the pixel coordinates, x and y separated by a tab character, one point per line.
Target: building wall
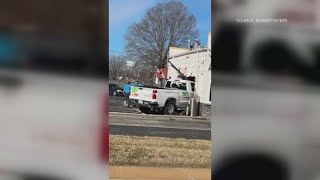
156	80
195	64
205	110
209	40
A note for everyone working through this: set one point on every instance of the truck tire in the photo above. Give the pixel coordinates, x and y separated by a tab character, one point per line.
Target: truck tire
170	108
145	110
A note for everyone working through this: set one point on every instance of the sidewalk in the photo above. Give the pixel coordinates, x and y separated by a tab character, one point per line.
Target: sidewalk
142	173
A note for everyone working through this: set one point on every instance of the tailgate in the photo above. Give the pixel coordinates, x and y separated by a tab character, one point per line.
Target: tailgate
141	93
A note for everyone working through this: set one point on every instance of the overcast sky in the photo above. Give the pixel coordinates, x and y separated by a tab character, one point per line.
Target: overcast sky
123	13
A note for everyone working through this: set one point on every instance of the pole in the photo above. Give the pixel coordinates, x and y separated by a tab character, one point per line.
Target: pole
198	69
180	73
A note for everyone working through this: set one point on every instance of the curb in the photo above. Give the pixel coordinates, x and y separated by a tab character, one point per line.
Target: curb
159	117
157	126
135	173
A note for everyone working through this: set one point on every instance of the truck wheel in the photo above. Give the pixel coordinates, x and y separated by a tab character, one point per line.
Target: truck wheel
145	110
170	108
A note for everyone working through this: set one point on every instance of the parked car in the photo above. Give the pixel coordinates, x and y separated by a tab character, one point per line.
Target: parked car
115	90
170	99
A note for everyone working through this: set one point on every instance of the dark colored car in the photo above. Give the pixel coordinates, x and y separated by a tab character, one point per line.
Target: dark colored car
115	90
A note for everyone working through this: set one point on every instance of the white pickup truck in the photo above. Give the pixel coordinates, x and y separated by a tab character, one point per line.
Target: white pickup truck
172	98
265	128
53	126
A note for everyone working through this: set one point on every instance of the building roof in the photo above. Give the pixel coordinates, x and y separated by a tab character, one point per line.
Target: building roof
193	51
178	48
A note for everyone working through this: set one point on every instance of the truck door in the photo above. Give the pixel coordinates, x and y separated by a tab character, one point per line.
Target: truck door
184	96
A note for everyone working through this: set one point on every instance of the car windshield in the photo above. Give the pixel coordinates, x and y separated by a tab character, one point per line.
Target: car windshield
113	86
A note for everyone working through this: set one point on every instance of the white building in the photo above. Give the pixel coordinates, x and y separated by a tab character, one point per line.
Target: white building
195	62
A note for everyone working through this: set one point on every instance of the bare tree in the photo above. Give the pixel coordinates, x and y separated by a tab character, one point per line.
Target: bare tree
164	25
117	65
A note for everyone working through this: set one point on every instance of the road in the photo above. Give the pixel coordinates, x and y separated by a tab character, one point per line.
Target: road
160	126
116	105
130	121
160	132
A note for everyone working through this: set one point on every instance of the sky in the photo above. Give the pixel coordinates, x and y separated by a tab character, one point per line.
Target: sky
123	13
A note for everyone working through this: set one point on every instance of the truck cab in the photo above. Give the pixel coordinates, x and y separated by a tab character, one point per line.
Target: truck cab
182	84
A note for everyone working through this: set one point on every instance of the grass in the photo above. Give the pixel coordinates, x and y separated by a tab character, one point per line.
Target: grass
159	152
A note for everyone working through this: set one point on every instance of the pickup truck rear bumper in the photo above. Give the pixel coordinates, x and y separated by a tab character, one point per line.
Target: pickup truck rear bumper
146	104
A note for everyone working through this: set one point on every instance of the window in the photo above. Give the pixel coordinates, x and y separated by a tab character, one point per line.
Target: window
113	86
193	87
168	84
174	85
183	86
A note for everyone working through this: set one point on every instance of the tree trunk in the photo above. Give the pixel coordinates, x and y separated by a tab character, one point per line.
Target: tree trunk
152	78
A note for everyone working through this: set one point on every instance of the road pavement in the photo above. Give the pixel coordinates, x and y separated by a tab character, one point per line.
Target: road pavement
116	105
160	132
130	121
159	126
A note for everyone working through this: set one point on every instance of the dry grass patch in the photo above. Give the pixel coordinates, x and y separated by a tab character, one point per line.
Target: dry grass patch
159	152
